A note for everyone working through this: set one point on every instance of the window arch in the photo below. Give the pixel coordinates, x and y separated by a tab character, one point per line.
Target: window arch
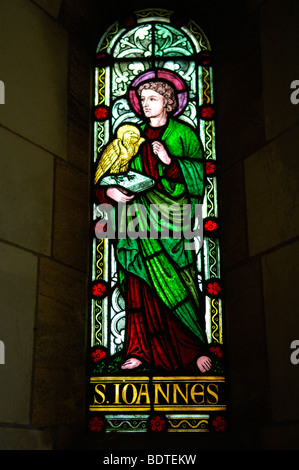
151	46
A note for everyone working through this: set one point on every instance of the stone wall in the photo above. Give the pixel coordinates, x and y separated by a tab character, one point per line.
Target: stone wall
45	156
46	52
258	151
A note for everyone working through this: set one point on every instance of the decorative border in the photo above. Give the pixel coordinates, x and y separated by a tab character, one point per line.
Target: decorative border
158	423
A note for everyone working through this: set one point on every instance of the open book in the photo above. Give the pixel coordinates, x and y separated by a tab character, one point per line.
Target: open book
130	181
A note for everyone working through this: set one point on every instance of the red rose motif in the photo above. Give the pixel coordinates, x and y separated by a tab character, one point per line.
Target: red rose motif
217	351
210	225
99	289
100	227
96	424
129	21
98	354
219	423
101	113
207	112
205	58
101	56
210	168
157	424
214	288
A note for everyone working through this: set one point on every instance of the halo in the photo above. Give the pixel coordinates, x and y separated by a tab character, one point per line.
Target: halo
160	75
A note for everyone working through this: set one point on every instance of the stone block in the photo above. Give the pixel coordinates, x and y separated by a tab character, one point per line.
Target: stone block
253	5
79	17
34	68
26	193
280	274
283	437
18	280
80	100
79	148
71	223
80	72
59	394
245	344
50	6
233	215
272	193
25	439
279	52
59	375
79	138
62	304
238	84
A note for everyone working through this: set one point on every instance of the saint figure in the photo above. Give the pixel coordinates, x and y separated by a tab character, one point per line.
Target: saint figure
165	324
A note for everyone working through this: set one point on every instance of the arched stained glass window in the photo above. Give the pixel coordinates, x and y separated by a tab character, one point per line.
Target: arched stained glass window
156	319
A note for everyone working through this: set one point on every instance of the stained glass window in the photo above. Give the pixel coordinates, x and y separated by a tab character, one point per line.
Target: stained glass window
156	314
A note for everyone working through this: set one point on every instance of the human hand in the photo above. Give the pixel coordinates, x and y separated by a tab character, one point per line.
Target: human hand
161	152
118	195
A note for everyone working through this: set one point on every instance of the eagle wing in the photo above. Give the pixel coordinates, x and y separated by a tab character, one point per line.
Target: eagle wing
131	151
107	159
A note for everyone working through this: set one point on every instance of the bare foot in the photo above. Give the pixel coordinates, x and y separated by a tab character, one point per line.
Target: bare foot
204	363
131	363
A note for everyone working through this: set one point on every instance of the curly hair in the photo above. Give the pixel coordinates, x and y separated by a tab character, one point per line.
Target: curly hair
163	89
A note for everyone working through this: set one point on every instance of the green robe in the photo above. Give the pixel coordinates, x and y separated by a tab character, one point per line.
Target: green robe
164	263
